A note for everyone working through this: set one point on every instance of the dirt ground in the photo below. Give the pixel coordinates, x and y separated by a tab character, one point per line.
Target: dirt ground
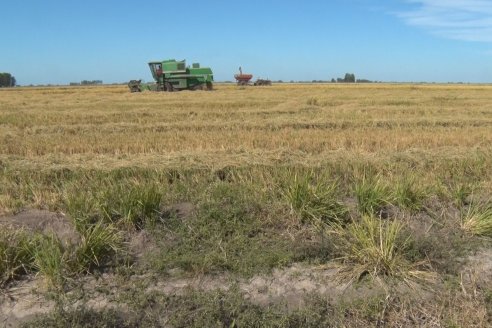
22	300
45	222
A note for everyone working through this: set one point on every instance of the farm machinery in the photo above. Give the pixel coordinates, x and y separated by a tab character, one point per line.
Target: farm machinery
171	75
245	79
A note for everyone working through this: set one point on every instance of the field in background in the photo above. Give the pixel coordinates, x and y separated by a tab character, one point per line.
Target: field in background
389	184
286	124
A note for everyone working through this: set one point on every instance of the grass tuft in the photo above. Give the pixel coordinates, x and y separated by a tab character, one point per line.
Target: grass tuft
80	202
477	220
315	202
460	192
129	204
99	243
377	248
372	195
15	253
312	101
407	195
141	205
50	259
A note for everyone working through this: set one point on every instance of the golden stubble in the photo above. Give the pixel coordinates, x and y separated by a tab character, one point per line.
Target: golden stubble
291	123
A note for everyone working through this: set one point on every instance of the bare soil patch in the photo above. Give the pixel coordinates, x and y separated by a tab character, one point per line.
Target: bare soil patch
290	287
21	303
478	268
44	222
180	210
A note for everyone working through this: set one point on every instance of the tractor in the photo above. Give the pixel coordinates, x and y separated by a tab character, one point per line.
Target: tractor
171	75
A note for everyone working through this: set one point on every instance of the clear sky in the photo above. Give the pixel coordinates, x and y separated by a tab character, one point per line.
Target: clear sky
59	41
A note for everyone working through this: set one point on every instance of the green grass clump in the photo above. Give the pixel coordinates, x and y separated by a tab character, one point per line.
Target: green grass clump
16	250
375	247
459	192
100	242
372	196
132	205
315	202
81	202
407	195
51	259
22	252
477	220
125	202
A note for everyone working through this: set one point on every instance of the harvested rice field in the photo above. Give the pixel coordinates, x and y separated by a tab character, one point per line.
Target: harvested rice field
295	205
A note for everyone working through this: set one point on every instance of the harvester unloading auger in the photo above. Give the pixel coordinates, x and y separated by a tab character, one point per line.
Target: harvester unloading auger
171	75
245	79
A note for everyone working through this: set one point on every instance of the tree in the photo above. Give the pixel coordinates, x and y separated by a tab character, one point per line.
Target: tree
93	82
7	80
349	78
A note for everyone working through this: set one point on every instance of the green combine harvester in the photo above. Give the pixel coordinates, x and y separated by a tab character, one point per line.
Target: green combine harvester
171	75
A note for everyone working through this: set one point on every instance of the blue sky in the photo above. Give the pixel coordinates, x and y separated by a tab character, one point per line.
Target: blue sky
59	41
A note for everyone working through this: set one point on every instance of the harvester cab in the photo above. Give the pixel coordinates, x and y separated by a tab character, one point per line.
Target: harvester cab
156	69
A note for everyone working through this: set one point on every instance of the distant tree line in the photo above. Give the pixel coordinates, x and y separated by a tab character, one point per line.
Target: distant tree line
350	78
86	82
7	80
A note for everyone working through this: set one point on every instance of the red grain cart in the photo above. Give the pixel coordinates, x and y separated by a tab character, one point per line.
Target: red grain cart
243	79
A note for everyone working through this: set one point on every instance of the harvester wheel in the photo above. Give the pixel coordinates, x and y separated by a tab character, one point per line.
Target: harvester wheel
210	86
169	87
